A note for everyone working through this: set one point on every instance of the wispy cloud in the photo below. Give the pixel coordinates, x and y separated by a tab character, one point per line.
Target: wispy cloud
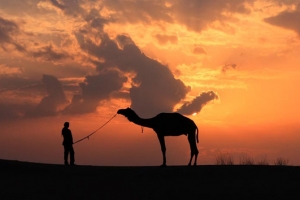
49	54
197	103
288	19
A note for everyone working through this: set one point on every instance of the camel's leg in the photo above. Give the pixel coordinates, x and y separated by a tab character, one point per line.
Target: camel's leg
193	147
163	148
196	155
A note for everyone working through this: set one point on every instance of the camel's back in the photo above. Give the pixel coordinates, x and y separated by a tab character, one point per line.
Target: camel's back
173	124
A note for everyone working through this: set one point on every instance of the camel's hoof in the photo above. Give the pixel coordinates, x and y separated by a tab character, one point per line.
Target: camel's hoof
163	165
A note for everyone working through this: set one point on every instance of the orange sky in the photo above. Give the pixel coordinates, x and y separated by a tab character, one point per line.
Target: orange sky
82	60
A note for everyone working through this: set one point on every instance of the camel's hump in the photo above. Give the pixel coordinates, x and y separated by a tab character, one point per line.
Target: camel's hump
173	117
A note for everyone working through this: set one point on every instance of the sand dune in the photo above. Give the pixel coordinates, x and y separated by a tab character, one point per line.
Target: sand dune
24	180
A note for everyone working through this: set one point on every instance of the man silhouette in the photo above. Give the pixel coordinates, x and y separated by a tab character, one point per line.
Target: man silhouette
68	144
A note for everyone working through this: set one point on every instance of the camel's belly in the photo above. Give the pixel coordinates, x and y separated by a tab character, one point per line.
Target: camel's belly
174	134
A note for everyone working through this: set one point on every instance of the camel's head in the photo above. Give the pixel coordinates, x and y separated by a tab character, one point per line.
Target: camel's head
127	112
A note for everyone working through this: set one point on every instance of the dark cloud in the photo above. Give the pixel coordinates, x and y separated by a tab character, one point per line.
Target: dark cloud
285	2
94	90
138	11
17	7
123	40
7	30
164	39
199	50
47	53
14	93
98	22
69	7
120	95
197	104
154	88
50	104
79	106
227	67
196	15
57	4
287	19
29	89
10	82
11	111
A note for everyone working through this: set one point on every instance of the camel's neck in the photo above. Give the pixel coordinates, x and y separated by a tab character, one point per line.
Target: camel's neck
142	122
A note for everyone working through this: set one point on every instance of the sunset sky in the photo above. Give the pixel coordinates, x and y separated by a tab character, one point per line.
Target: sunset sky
232	66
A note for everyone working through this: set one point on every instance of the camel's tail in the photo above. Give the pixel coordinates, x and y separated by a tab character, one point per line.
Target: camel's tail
197	133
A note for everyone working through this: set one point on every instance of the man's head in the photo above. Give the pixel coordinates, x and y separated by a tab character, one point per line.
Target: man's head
66	124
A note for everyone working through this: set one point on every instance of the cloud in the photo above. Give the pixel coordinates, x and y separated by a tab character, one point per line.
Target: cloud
287	19
123	40
196	15
98	22
4	69
69	7
57	4
138	11
199	50
50	104
7	30
164	39
227	67
14	110
197	103
18	84
49	54
95	89
9	7
154	88
20	94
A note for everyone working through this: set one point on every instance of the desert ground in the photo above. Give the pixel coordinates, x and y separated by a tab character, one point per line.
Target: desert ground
25	180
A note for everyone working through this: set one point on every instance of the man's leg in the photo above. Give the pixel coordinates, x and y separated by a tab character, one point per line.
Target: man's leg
66	152
72	158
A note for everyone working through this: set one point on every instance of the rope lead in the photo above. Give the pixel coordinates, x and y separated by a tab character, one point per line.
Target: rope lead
88	137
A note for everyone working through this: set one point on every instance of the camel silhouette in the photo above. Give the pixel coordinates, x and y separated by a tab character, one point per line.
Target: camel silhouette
167	124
